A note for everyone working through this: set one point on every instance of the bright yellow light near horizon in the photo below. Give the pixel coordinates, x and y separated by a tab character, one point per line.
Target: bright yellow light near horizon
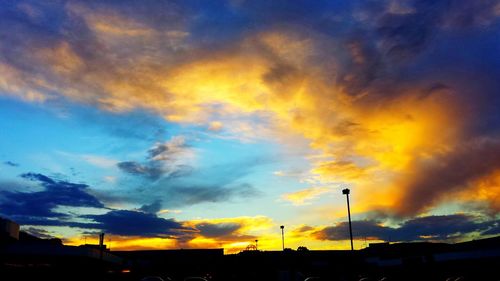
126	243
248	225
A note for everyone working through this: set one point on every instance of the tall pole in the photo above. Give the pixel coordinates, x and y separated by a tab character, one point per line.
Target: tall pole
256	245
346	192
101	244
283	237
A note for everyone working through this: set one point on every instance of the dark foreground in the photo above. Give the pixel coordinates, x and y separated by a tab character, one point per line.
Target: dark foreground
475	261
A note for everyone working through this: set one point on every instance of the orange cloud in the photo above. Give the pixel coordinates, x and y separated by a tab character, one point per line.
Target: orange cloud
484	189
300	197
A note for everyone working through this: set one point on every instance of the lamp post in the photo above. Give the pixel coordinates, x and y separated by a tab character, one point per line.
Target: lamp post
346	192
256	245
283	236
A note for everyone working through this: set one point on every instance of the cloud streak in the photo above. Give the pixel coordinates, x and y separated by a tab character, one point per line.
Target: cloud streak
164	159
28	207
10	163
145	225
300	197
429	228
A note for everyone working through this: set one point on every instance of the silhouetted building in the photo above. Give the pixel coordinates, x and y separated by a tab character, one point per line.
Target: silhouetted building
9	230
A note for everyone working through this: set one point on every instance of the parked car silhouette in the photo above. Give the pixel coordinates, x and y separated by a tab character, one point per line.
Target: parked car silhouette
193	278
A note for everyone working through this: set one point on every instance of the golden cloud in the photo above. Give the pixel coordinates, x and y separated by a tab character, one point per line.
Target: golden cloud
300	197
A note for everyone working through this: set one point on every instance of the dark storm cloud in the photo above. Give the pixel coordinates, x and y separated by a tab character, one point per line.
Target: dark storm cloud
223	232
26	207
494	230
217	230
389	47
63	220
404	35
36	208
134	223
418	229
152	208
361	229
449	173
440	227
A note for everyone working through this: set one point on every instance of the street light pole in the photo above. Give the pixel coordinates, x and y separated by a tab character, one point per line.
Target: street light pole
256	245
283	236
346	192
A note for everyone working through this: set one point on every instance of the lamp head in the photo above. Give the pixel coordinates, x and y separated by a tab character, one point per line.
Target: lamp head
345	191
282	226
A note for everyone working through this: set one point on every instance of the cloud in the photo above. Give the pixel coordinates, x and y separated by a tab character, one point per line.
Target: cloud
164	159
215	126
341	170
441	227
38	232
429	228
191	194
144	224
134	168
223	233
10	163
208	184
43	209
231	233
494	230
300	197
170	150
361	229
448	173
37	206
152	208
217	230
167	211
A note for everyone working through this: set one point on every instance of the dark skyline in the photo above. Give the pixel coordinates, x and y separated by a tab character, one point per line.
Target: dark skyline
207	124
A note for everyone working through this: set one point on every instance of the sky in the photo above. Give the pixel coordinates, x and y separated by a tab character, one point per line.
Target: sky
208	124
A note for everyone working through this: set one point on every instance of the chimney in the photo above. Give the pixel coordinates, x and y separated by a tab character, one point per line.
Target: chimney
101	241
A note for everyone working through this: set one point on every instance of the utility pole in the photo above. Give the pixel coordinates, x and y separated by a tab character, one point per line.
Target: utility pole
101	245
283	236
346	192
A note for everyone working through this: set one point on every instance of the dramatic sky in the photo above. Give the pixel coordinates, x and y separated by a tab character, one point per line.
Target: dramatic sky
202	124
